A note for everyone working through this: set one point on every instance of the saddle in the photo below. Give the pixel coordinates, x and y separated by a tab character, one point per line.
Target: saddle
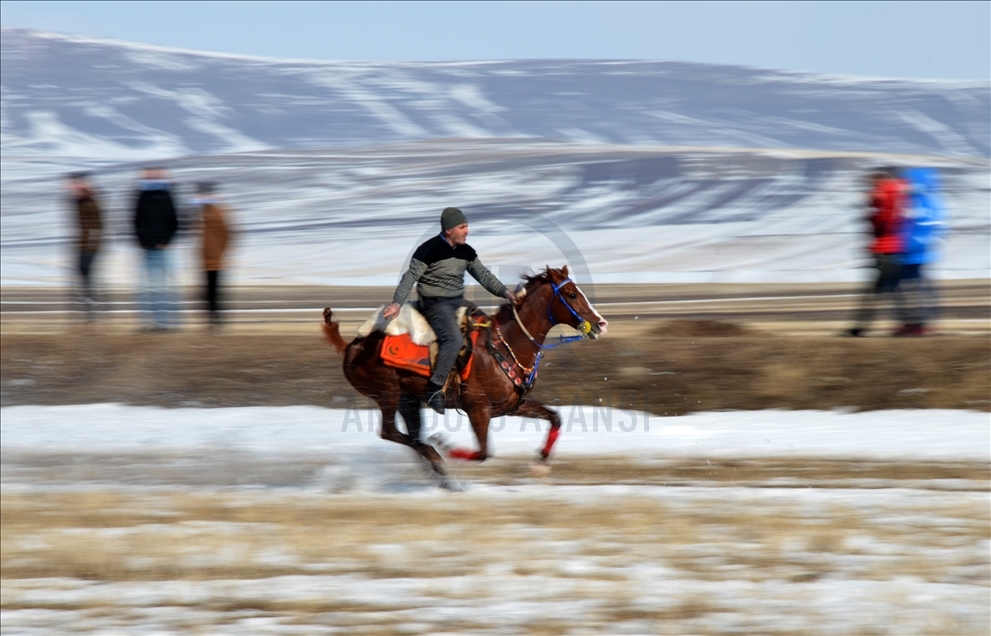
411	344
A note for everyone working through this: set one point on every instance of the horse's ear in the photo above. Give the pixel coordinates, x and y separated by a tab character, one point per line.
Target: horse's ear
564	271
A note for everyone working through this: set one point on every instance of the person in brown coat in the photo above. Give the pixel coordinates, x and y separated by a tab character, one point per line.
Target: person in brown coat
215	234
89	226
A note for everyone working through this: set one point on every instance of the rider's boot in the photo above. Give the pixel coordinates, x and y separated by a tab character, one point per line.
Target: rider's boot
433	395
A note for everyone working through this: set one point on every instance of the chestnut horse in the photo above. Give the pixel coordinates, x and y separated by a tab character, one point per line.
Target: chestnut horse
510	345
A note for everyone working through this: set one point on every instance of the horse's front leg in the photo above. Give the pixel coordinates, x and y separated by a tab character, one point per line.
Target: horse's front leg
479	415
534	409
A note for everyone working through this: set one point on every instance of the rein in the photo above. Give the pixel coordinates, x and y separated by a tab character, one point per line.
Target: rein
529	375
520	323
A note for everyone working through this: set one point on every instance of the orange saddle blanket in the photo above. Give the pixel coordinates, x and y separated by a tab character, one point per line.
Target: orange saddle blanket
400	352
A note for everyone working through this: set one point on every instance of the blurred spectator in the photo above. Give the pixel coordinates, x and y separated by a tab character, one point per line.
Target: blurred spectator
922	232
215	234
155	225
886	203
90	228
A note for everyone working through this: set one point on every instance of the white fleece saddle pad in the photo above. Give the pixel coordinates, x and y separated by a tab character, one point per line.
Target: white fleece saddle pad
408	321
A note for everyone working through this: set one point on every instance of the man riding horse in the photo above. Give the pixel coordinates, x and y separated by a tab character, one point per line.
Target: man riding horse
438	268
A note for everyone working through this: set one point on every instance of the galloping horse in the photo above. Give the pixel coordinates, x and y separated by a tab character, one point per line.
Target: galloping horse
504	366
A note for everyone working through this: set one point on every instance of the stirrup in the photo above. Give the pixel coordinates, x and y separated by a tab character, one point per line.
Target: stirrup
434	397
437	401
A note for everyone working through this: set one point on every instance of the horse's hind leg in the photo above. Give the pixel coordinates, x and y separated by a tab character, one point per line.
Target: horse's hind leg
409	408
388	404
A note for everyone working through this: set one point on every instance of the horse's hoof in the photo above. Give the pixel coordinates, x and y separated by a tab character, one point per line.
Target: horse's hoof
540	469
467	455
450	483
432	459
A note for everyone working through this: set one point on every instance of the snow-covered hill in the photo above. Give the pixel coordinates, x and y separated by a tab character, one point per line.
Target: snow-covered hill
87	97
630	171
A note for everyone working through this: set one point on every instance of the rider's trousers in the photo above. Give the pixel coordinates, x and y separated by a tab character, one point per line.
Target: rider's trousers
441	313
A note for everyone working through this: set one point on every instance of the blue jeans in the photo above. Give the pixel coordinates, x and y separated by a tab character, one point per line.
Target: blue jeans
157	289
921	293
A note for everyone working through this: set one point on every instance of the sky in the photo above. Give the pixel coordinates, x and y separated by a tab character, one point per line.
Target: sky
936	40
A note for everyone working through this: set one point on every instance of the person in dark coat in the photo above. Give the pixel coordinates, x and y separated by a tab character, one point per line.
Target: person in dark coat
89	227
155	225
215	233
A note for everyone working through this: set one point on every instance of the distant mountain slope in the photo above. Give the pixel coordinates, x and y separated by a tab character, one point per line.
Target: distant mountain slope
618	213
85	97
630	171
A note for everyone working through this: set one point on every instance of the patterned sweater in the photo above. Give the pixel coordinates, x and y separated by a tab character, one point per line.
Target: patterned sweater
439	272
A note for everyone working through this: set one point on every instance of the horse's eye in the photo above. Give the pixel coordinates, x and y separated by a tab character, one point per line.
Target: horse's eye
572	296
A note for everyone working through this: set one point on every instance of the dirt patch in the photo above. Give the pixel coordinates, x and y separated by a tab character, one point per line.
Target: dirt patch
664	375
704	329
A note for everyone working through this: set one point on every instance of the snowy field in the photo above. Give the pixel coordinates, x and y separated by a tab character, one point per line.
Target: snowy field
921	434
298	520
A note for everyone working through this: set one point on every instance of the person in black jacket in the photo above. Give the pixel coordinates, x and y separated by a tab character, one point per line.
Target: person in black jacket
155	225
437	269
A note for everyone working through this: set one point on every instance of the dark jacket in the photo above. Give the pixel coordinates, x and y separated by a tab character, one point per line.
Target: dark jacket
90	223
439	272
155	218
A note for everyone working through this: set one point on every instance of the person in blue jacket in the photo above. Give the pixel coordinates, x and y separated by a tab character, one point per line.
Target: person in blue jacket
923	230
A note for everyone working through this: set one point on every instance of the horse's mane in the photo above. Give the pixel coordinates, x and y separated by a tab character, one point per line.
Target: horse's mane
541	277
504	310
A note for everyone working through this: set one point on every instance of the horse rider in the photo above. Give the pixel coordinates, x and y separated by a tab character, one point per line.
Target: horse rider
438	268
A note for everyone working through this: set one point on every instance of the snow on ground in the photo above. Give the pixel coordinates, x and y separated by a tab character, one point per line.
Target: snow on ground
299	520
660	601
919	434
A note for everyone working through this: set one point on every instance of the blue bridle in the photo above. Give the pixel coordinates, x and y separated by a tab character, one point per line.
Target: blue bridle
584	326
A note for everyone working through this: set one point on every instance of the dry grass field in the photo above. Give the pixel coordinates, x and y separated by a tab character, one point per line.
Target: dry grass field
674	368
672	349
707	557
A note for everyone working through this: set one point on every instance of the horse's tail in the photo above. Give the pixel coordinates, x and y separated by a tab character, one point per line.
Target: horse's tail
332	331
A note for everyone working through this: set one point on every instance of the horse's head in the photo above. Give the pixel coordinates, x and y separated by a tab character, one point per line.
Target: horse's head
566	302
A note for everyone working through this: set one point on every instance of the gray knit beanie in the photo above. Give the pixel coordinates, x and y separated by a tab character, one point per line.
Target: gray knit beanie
451	217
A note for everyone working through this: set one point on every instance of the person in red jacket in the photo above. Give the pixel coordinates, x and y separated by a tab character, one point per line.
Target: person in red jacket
886	203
